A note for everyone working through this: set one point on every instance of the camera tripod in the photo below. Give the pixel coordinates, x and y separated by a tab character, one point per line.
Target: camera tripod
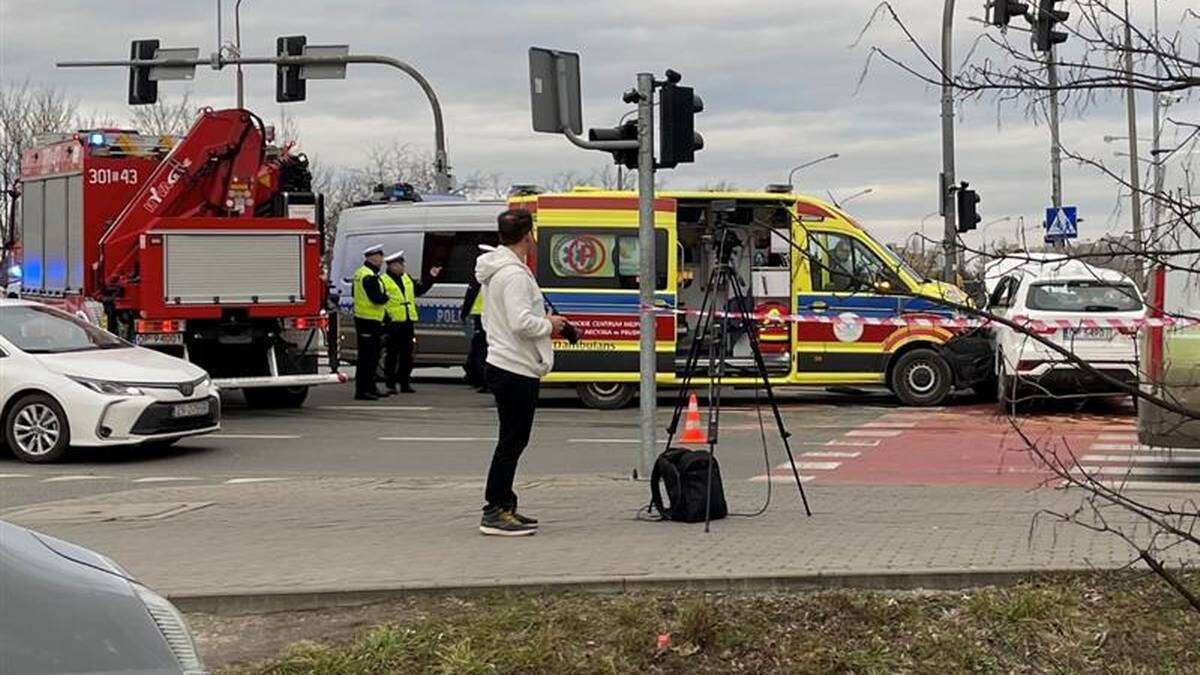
724	282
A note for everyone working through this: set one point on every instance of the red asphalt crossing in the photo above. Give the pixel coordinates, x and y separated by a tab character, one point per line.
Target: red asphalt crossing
977	445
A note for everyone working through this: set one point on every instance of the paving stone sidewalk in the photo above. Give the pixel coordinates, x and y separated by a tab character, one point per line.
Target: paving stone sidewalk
339	535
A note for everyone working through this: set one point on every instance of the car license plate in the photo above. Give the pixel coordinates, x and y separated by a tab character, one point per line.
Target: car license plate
159	339
190	409
1090	333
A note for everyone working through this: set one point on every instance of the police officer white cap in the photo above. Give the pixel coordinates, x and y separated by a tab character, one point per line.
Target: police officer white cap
397	256
372	250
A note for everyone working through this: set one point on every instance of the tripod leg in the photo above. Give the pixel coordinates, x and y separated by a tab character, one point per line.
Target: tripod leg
756	348
703	323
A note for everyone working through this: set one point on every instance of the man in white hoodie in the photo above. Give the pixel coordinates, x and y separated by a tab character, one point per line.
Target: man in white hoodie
519	353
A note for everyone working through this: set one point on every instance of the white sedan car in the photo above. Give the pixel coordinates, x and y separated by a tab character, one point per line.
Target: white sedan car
65	382
1087	310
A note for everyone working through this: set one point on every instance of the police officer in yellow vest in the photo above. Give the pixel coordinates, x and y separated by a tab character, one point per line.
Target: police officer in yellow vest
401	318
369	311
472	311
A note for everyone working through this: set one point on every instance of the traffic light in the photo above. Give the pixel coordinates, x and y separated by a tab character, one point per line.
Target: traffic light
1003	11
625	132
289	86
1044	35
678	140
968	208
142	90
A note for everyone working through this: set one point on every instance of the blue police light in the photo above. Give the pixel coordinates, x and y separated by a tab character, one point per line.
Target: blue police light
96	139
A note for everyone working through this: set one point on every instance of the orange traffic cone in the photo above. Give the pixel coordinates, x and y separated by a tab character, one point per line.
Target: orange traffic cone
692	433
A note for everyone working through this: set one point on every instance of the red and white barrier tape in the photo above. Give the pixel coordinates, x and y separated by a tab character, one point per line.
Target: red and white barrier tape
936	321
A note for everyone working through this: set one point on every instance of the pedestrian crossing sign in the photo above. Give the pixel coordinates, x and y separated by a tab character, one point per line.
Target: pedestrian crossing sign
1061	223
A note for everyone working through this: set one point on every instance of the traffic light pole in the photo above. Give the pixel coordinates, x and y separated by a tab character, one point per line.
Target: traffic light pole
1055	144
1055	147
949	214
648	359
442	179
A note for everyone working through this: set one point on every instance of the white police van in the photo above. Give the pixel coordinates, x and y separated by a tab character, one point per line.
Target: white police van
434	232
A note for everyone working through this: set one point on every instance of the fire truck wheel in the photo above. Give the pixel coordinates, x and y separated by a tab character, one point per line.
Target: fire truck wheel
606	395
36	429
275	397
921	377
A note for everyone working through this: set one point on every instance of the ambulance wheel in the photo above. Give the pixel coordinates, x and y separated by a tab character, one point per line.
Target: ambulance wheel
275	397
921	377
606	395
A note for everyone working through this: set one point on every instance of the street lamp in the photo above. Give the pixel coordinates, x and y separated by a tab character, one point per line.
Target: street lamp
856	195
983	229
808	164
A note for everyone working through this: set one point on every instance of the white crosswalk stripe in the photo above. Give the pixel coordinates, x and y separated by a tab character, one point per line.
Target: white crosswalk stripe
810	466
780	478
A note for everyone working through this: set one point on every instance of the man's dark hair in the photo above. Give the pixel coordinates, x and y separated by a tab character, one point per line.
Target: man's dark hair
513	225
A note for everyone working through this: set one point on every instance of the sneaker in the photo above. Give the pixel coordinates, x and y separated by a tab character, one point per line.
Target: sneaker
504	524
366	396
391	389
524	520
407	389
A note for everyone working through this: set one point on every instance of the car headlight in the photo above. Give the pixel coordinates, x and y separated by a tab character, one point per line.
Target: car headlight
107	387
173	628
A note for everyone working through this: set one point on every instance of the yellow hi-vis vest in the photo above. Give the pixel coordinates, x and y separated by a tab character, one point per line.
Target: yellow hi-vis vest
363	307
402	303
477	306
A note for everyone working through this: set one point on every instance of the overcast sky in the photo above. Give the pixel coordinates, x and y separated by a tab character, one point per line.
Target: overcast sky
778	81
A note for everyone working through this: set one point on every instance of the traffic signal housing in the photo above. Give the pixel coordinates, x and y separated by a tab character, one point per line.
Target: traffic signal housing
968	208
1047	17
289	86
624	132
1003	11
678	140
142	90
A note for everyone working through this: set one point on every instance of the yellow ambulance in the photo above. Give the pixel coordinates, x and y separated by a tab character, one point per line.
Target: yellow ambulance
836	306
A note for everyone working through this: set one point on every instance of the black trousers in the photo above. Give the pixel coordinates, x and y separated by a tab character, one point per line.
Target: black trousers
370	333
398	363
516	402
477	356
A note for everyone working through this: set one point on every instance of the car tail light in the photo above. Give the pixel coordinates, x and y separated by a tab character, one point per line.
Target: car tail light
306	322
160	326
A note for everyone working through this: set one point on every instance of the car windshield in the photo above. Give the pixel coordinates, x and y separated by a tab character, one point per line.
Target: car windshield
891	255
41	330
1084	296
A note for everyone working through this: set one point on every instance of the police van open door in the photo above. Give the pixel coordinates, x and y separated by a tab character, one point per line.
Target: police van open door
587	261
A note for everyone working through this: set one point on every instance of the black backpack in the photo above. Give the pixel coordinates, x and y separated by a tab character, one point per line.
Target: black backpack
685	474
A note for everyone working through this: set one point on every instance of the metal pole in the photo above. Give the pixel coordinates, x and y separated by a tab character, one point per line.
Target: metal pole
442	177
1159	167
949	215
648	361
1055	143
1135	191
1055	146
237	29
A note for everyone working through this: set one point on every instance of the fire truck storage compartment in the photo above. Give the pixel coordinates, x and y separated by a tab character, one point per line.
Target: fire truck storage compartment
52	233
225	267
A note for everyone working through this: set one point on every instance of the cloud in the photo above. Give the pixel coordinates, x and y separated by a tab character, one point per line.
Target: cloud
779	82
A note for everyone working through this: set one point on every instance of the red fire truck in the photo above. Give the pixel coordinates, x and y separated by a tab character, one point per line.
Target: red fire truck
208	247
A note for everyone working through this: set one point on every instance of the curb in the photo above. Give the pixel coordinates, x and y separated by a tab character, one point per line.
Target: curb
261	602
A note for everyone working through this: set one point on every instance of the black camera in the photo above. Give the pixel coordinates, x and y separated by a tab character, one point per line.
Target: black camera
573	334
